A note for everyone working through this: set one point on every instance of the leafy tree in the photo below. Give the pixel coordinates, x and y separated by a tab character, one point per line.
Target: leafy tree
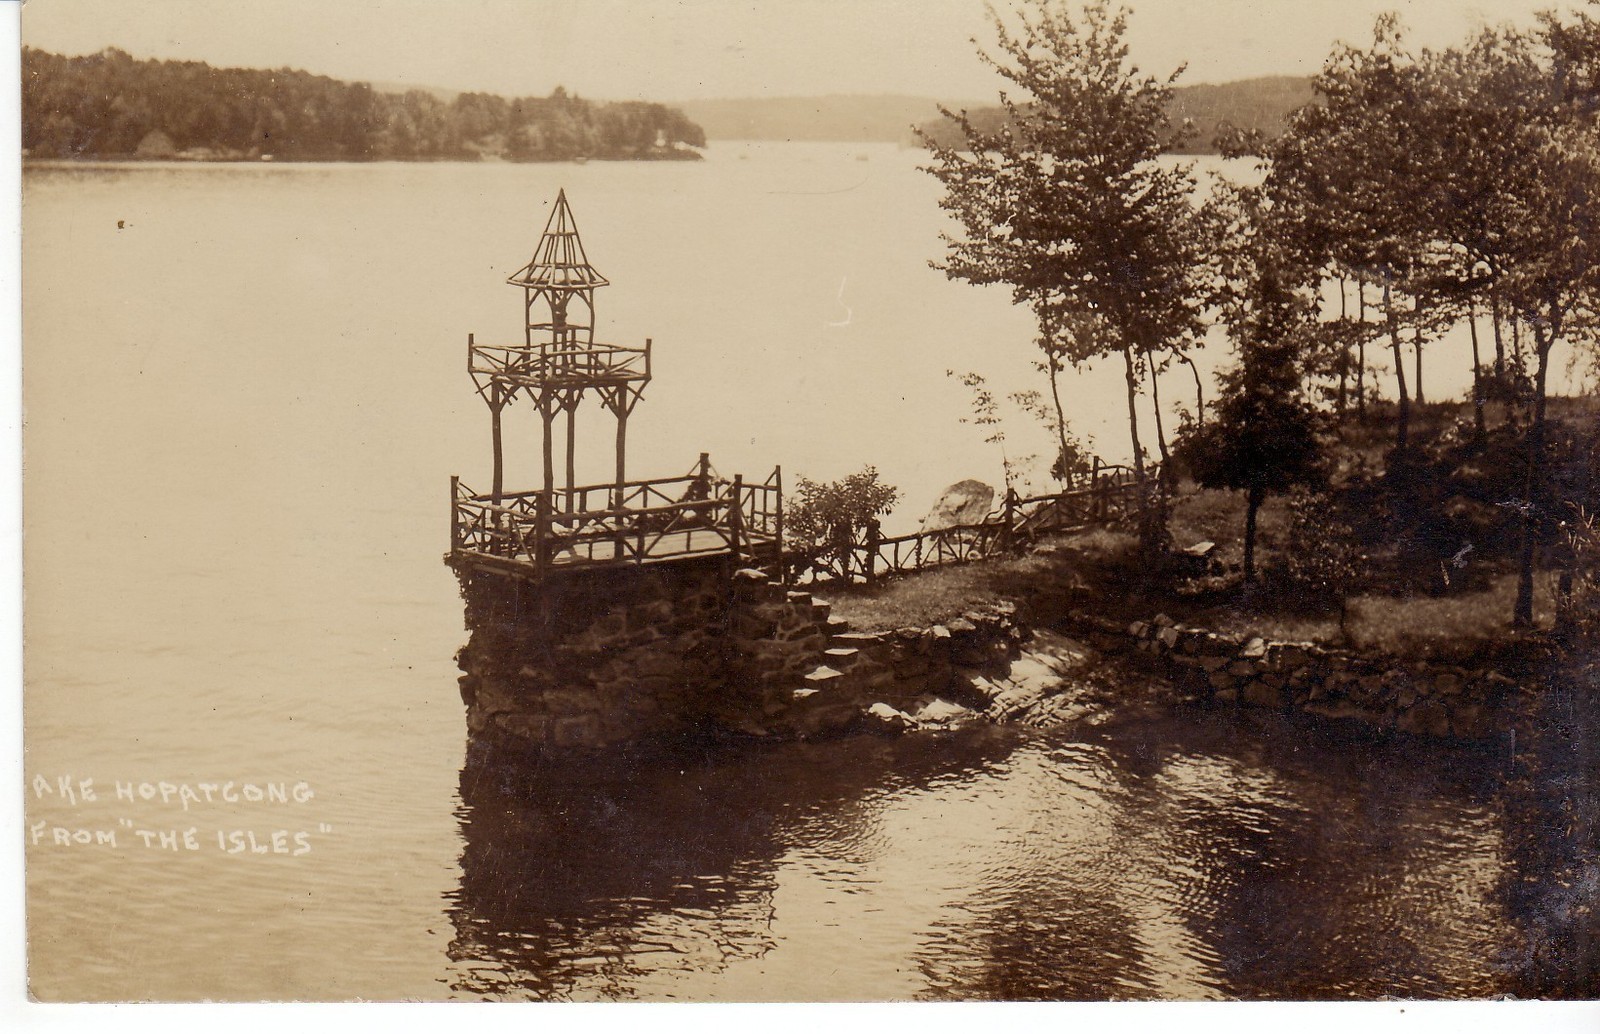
1066	202
1524	211
1263	433
1073	461
986	414
830	515
1346	176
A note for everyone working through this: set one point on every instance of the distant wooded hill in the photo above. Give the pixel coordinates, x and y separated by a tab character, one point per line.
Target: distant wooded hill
1262	104
111	105
852	118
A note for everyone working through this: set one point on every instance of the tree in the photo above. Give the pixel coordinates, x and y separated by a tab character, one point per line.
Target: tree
1527	211
986	414
1346	177
1263	436
1068	204
829	515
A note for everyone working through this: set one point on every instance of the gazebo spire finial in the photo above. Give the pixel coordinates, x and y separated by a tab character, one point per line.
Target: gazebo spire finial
559	261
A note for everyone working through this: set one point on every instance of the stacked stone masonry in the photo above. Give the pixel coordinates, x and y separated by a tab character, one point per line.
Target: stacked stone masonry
648	654
1416	697
640	655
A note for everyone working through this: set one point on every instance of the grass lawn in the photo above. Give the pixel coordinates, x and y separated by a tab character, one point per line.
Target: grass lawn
1098	571
1082	571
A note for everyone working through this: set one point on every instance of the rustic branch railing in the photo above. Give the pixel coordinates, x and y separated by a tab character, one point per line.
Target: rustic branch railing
552	364
638	522
534	533
1110	495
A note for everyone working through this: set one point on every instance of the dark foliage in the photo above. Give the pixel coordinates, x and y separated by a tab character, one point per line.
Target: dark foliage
109	105
1205	115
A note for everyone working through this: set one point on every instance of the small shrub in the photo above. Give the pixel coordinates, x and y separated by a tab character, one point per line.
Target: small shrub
1321	555
832	514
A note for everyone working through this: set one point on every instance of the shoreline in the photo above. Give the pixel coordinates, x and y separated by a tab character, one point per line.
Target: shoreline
40	161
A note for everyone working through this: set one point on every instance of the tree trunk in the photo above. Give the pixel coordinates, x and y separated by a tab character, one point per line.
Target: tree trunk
1477	376
1500	367
1133	410
1416	343
1403	419
1522	615
1161	435
1344	350
1053	365
1361	352
1199	389
1499	341
1252	504
1518	367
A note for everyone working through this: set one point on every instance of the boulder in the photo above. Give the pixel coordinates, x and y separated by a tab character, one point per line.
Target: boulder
965	502
941	712
882	718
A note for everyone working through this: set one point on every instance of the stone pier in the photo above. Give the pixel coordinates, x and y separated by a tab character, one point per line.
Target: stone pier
633	655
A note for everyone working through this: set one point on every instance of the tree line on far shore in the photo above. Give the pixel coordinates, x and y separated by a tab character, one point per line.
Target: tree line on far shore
1196	114
1423	190
111	105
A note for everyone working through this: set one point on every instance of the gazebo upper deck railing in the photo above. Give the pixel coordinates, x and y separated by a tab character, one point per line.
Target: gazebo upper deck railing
535	533
547	364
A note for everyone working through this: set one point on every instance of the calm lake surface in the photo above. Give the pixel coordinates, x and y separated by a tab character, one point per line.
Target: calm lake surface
244	397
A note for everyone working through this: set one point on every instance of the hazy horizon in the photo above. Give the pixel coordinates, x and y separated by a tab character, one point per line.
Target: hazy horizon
713	49
392	86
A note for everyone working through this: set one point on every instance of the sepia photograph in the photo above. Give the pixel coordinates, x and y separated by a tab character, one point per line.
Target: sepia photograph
838	501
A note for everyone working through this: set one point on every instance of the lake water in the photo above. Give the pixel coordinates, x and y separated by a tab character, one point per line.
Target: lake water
244	397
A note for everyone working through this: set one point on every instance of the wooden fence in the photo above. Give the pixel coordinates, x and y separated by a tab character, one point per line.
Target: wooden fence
1110	495
538	532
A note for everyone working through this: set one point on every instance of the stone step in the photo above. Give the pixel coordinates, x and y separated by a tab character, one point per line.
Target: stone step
800	598
837	626
822	676
820	609
841	657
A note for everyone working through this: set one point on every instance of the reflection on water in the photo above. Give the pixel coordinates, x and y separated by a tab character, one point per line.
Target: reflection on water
238	448
1182	858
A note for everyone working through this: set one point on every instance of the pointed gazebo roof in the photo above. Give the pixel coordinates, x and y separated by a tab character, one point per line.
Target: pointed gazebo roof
559	262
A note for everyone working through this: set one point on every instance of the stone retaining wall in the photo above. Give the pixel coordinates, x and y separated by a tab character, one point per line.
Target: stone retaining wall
626	656
637	655
1416	697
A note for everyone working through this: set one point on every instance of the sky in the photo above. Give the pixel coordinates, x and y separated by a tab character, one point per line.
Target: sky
693	49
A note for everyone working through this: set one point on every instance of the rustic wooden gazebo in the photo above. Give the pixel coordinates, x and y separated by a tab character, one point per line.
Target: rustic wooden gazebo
557	367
